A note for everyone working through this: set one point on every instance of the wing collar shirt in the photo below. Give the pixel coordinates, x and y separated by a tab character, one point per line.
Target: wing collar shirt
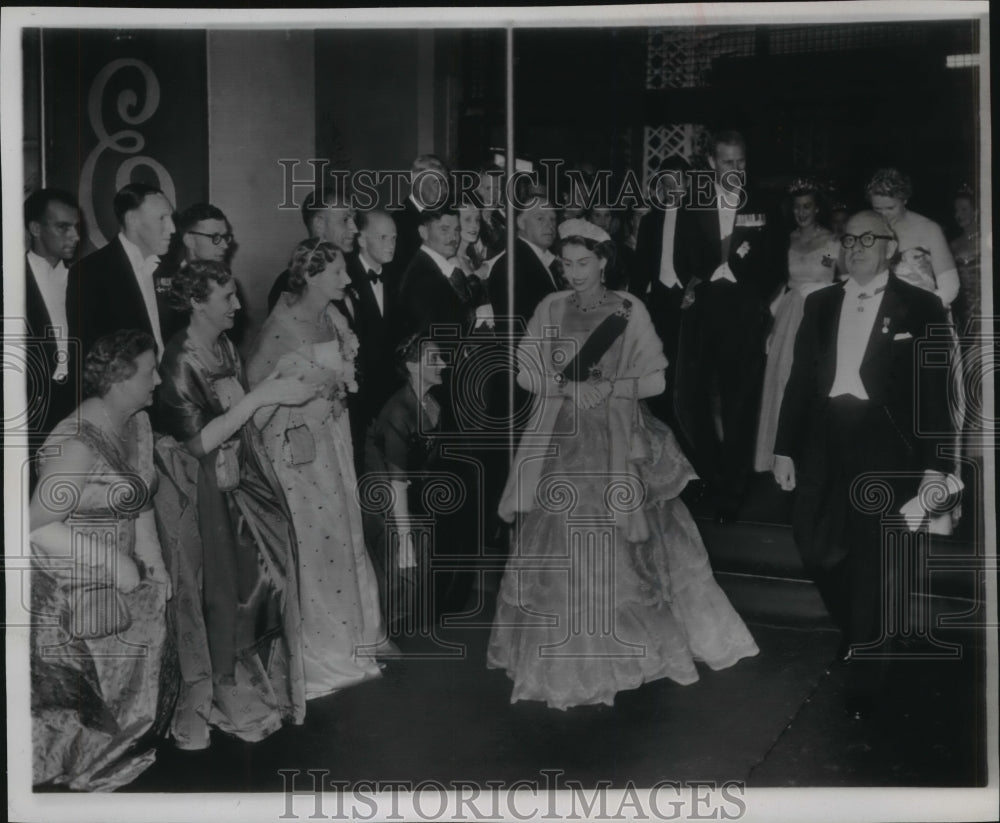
857	317
144	268
52	284
378	289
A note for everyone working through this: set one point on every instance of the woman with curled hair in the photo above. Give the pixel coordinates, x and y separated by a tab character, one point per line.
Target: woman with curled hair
231	544
813	251
620	469
310	449
923	258
99	585
401	447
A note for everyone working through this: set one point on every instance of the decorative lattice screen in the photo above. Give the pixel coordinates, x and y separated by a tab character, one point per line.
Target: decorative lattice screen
660	142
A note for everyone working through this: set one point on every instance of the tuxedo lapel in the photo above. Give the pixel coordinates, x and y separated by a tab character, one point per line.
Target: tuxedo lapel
131	283
828	335
35	308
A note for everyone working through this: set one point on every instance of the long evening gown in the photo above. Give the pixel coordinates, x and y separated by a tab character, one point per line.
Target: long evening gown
341	617
228	540
608	584
807	271
98	703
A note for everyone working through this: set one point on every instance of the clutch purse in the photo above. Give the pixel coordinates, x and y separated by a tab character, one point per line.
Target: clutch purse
95	610
300	447
227	466
639	450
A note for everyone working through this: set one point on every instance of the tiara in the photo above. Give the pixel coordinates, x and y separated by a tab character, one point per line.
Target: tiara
578	227
803	185
966	190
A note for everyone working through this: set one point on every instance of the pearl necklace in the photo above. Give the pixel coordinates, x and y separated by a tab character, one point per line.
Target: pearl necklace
575	297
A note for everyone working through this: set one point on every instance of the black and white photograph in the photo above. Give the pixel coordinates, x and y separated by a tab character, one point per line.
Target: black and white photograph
526	413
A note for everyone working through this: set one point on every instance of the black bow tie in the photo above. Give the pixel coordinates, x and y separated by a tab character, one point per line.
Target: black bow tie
375	278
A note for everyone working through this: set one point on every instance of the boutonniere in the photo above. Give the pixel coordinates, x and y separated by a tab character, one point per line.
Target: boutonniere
827	260
743	250
162	285
595	374
885	325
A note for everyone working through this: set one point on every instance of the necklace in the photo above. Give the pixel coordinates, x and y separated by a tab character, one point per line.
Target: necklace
575	297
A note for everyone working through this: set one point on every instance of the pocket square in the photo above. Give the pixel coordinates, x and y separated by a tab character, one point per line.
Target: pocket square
902	336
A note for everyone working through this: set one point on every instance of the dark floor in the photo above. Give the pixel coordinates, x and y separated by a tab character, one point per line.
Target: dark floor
773	721
777	720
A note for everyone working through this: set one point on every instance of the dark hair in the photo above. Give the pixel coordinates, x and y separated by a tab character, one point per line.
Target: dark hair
309	258
604	249
38	201
675	162
193	215
318	201
808	187
194	282
130	197
112	359
889	182
408	351
726	137
363	218
965	192
428	216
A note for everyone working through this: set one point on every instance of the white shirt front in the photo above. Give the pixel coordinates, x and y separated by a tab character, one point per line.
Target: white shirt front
668	276
144	267
857	317
378	287
545	257
51	282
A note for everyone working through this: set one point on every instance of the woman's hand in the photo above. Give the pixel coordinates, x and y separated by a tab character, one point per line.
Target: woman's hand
283	391
589	395
126	574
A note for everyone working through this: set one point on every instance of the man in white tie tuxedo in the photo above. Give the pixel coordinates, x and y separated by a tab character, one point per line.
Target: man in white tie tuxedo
862	399
113	288
52	219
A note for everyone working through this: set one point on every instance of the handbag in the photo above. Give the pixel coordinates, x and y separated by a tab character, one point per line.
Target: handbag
300	446
96	609
227	466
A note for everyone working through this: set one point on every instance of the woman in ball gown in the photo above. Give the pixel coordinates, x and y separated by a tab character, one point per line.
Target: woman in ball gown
924	258
965	248
232	550
608	585
813	251
103	667
311	452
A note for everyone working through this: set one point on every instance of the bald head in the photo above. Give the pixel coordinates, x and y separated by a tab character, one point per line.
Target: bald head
861	263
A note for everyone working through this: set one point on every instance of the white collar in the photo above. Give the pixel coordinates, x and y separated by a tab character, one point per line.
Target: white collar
39	265
853	289
368	264
724	197
139	263
439	261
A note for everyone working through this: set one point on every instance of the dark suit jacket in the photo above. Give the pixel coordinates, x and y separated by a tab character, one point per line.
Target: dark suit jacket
57	400
426	298
698	247
532	282
892	373
649	250
408	240
375	331
103	296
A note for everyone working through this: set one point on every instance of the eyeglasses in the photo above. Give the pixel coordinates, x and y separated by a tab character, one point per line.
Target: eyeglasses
867	239
216	237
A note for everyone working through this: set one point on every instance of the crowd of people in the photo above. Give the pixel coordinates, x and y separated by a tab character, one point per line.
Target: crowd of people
279	525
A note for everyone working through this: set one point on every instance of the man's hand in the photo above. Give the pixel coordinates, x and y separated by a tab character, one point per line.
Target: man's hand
783	469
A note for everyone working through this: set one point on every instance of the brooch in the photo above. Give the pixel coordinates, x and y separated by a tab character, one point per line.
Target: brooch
885	325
